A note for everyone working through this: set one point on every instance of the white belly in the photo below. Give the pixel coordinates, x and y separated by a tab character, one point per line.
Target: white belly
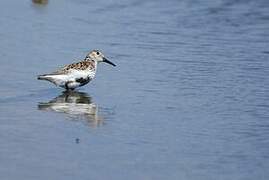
73	79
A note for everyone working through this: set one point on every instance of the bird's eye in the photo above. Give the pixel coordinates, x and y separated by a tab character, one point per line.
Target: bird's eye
97	53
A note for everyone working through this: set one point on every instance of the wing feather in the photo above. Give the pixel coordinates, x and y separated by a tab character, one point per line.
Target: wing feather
82	65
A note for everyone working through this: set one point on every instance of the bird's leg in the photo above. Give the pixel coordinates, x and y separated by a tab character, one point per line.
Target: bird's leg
66	86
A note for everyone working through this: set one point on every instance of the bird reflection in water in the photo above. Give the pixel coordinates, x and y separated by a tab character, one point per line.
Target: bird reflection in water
76	105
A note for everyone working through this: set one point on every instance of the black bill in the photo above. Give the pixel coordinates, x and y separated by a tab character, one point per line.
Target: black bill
107	61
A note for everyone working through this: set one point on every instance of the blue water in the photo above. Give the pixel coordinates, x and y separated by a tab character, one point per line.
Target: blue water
189	98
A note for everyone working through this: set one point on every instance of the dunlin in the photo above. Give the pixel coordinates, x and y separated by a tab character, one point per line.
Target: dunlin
77	74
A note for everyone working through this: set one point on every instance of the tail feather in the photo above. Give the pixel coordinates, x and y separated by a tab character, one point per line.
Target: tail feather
46	77
42	77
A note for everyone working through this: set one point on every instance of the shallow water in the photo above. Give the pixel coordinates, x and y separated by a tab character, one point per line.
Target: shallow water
189	98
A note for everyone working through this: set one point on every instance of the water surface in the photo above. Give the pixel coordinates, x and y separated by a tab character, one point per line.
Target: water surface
189	98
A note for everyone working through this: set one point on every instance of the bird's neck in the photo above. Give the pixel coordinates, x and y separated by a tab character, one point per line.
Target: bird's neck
92	62
90	59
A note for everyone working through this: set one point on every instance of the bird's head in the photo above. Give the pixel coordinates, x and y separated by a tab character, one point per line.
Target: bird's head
96	55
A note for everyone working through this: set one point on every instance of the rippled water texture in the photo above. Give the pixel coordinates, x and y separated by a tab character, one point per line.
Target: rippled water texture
189	98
